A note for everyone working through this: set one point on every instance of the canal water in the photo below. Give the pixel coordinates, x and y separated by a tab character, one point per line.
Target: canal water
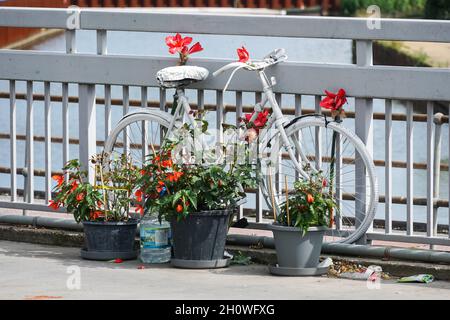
152	44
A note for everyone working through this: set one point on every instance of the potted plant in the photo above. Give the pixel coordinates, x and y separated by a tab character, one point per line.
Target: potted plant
197	198
102	206
300	227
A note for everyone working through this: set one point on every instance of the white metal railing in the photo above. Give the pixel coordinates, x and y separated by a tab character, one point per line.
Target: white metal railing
363	80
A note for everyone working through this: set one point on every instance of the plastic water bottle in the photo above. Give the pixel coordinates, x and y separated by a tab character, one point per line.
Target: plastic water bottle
155	240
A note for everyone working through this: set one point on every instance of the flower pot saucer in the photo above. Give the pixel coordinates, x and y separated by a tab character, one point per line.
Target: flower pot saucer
297	272
108	255
201	264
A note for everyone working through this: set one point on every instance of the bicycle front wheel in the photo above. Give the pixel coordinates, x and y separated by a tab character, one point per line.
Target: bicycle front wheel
344	163
137	134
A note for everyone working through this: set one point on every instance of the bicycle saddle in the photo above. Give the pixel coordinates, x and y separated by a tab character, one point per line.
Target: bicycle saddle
172	77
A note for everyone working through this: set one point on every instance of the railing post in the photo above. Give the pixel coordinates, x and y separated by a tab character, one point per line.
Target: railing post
29	148
87	129
409	168
437	167
430	175
364	130
70	38
388	168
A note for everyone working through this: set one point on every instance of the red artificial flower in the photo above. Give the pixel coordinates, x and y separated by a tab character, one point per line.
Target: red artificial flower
243	54
58	178
80	196
197	47
324	183
139	209
309	198
138	195
143	172
179	208
177	43
334	101
54	205
260	120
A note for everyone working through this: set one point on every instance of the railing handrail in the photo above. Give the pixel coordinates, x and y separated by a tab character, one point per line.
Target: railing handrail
292	77
225	24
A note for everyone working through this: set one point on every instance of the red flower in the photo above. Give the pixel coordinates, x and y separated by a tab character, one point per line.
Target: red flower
96	214
167	163
197	47
156	159
160	186
175	176
260	120
74	186
309	198
138	195
80	196
54	205
143	172
58	178
139	209
334	101
179	208
177	43
243	54
324	183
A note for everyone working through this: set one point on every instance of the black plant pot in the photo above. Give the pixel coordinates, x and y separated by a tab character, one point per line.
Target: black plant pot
109	240
199	240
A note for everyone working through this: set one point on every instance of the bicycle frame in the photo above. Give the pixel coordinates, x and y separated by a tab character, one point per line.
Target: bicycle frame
276	119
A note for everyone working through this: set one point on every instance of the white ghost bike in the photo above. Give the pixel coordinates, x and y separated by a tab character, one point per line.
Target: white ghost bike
291	149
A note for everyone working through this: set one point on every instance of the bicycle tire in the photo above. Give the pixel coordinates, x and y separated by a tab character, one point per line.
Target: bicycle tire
319	122
158	116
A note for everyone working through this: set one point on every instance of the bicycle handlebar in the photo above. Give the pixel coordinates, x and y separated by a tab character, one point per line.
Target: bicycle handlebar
228	66
274	57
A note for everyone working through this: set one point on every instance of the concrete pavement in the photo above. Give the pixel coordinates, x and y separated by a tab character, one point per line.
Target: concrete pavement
30	271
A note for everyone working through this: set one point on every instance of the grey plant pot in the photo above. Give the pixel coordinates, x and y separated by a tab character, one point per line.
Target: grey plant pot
295	250
109	240
199	240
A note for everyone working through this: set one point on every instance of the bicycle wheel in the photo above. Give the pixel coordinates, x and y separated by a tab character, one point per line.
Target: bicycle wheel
137	134
350	173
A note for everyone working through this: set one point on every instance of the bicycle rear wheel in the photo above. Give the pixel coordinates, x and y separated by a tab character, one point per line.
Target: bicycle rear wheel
137	134
350	173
